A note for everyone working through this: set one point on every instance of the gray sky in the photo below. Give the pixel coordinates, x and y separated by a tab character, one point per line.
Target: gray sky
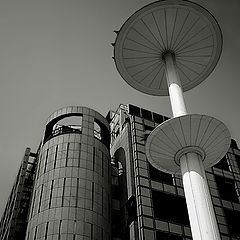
55	53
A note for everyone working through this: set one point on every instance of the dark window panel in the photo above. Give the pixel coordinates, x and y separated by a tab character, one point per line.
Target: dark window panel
169	207
115	192
158	118
116	223
166	118
167	236
238	160
131	206
101	132
159	175
146	114
148	128
233	144
133	110
223	164
233	219
226	189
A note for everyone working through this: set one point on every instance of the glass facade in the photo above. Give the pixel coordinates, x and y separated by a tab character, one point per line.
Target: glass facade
71	197
90	179
13	224
160	203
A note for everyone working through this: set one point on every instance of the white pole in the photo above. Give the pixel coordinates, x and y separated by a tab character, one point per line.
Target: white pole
199	204
200	208
174	86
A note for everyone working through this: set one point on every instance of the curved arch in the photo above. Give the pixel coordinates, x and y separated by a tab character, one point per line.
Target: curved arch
120	157
101	126
120	219
52	129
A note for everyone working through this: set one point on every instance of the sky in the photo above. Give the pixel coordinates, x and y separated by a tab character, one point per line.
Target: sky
56	53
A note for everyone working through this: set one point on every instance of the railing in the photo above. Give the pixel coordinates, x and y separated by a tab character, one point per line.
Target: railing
61	129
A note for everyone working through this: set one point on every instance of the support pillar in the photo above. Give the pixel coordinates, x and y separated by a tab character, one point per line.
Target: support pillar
174	86
199	204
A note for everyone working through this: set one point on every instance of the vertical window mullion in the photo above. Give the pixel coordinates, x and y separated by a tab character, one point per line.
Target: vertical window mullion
59	230
51	191
64	183
46	231
40	199
55	158
91	236
74	230
45	167
35	233
67	154
92	195
79	157
77	192
93	158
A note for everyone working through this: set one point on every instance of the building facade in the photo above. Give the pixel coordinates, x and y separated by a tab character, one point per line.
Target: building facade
92	181
71	197
155	207
14	220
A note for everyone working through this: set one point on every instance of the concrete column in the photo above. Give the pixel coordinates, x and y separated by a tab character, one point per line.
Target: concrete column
199	204
200	208
174	86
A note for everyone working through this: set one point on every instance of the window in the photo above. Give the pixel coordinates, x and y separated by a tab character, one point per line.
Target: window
97	131
237	157
167	236
169	207
115	192
133	110
157	118
226	189
101	132
233	144
222	164
131	206
159	175
148	128
146	114
147	132
233	219
116	224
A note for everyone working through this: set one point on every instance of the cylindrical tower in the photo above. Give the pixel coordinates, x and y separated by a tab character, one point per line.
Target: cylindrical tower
71	198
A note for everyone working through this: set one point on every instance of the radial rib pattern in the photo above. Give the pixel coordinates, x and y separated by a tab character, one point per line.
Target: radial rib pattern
195	132
184	28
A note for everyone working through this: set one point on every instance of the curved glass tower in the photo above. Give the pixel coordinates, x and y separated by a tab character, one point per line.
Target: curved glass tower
71	197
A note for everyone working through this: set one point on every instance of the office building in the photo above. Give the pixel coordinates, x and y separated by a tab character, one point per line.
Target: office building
71	197
92	181
13	223
149	204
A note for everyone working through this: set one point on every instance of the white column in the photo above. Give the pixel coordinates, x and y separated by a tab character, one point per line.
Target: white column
174	86
200	208
199	204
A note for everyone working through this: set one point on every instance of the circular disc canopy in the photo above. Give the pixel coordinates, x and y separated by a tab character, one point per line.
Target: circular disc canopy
183	28
190	133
